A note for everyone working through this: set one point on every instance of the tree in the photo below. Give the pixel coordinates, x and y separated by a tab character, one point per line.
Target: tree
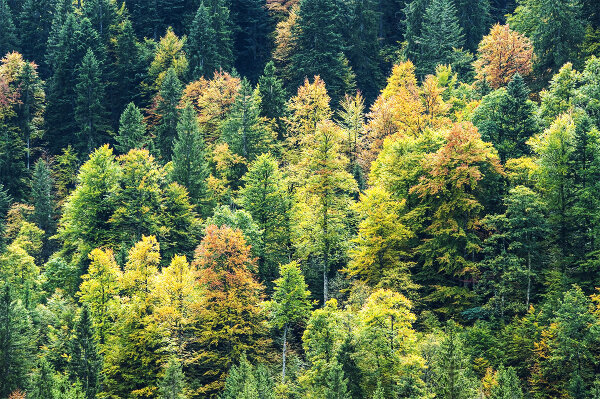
265	196
132	130
102	14
554	43
229	320
16	343
244	130
321	213
190	166
248	382
507	118
5	201
99	289
168	102
43	381
168	56
319	47
89	109
336	383
8	37
85	361
221	21
502	54
272	98
290	303
43	197
441	33
474	19
508	386
201	45
172	385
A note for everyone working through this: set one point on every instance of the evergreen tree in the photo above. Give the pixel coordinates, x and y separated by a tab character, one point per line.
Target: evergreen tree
252	42
90	112
222	26
201	45
272	98
474	19
35	21
8	37
319	47
5	201
555	43
85	361
43	197
441	33
16	343
102	14
508	386
169	96
290	303
172	385
42	386
414	12
336	383
132	130
190	166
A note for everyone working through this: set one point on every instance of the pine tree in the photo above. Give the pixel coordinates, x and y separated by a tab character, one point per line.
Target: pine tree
201	45
85	361
441	33
16	343
43	197
290	303
90	112
190	166
319	47
8	37
170	94
132	130
244	130
172	385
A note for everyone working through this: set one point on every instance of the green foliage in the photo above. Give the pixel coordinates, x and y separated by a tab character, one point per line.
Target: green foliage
132	130
508	386
8	37
172	385
85	361
201	46
43	197
168	101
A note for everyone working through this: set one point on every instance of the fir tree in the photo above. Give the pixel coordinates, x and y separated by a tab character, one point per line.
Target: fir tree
441	33
43	384
474	19
336	383
85	361
272	98
190	167
170	94
8	37
132	130
43	197
201	45
508	386
102	14
172	385
222	26
319	47
90	112
35	21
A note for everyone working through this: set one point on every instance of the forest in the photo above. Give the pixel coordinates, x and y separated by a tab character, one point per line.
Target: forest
286	199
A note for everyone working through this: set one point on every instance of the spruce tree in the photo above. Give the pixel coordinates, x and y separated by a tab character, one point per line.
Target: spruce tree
16	343
43	384
169	96
90	112
201	45
8	37
172	385
413	22
35	21
102	14
244	130
508	386
190	166
319	47
42	197
335	382
474	19
132	130
5	201
85	361
441	33
272	98
222	26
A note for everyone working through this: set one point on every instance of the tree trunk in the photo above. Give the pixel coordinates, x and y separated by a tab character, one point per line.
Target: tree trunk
528	279
285	329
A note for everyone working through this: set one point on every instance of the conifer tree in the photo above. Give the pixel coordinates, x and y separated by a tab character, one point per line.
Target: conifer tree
43	384
8	37
172	385
441	33
169	96
190	166
102	14
35	21
132	130
221	21
272	98
85	361
244	130
290	303
414	12
474	19
319	47
43	197
508	386
5	201
16	343
201	45
90	112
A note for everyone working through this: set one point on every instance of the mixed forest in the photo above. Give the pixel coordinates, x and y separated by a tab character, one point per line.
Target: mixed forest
323	199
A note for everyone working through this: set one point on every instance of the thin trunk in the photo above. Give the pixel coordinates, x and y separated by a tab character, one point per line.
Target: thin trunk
528	279
285	329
